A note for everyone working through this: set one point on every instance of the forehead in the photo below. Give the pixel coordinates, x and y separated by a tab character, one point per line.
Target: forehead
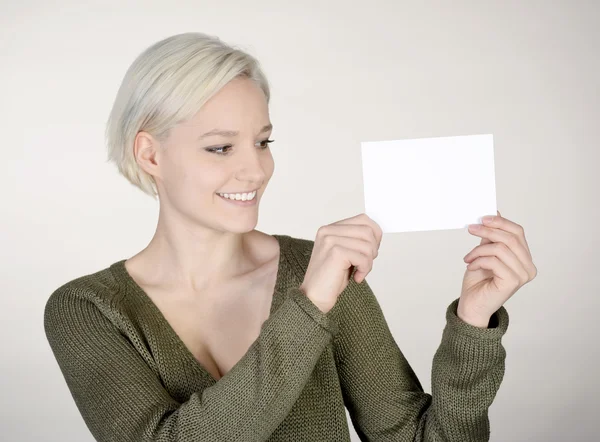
240	103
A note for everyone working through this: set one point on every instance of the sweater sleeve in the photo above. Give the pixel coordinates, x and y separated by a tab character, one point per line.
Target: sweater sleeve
122	399
384	397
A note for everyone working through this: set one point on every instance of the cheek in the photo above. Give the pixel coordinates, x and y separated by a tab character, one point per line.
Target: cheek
269	166
190	180
175	167
207	180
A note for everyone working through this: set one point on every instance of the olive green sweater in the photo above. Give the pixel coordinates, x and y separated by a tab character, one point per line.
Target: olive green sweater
133	379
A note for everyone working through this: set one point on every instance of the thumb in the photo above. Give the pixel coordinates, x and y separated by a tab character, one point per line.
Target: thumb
485	240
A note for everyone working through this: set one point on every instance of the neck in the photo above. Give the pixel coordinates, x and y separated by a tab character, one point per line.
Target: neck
195	262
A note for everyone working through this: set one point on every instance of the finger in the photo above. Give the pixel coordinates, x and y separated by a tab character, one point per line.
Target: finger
363	230
376	227
499	222
355	258
504	254
351	230
511	241
363	218
364	247
355	252
497	267
379	231
352	257
486	240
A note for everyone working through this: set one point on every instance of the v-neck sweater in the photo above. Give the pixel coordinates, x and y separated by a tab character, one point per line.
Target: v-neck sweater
133	379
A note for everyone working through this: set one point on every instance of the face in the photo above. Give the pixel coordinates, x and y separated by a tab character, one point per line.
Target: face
195	166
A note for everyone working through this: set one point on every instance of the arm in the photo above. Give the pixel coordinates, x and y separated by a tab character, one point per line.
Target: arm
384	397
121	399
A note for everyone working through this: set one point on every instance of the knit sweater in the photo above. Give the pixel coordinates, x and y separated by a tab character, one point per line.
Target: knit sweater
133	379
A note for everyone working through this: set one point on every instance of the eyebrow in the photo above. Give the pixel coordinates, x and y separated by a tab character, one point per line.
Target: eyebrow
230	133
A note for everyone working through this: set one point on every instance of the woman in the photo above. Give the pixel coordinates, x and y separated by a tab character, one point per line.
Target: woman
219	332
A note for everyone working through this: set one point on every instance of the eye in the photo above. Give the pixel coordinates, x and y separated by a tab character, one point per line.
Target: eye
266	145
219	150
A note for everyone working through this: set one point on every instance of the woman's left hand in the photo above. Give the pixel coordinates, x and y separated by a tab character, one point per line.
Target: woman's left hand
499	266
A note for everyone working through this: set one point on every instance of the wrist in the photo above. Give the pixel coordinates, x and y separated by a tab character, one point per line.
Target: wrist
471	318
323	306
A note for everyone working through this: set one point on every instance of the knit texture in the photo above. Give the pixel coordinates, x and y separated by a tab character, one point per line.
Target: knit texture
133	379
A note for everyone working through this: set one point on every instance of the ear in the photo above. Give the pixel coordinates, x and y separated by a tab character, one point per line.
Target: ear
144	150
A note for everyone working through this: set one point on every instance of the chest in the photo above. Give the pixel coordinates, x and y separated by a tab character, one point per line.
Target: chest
219	329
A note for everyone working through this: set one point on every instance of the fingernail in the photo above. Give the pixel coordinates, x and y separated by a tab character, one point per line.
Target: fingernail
488	219
475	226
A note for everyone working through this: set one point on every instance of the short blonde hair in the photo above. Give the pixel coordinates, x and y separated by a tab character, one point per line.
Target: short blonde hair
167	84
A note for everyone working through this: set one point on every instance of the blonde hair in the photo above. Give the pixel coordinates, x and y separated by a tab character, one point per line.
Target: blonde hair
167	84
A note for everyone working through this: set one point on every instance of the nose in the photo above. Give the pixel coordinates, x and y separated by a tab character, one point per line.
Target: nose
251	165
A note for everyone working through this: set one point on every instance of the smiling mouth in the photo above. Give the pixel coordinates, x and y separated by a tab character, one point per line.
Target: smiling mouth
254	196
240	202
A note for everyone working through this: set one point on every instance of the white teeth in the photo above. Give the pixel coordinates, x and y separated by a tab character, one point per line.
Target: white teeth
239	196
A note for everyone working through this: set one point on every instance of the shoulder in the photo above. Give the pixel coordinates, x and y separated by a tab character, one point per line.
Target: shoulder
100	284
296	244
297	250
99	290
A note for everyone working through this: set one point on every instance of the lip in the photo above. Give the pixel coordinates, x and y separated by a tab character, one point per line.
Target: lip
243	191
241	203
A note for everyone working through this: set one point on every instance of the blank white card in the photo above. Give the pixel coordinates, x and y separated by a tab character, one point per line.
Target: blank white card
429	183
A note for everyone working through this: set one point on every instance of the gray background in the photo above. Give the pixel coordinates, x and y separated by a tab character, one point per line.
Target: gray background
341	73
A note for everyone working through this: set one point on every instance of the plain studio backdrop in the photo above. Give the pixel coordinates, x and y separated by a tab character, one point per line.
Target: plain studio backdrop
341	73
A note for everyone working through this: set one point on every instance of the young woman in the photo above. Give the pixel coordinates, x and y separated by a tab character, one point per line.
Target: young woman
219	332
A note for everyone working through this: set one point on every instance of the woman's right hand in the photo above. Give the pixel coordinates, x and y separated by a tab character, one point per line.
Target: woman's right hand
337	248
